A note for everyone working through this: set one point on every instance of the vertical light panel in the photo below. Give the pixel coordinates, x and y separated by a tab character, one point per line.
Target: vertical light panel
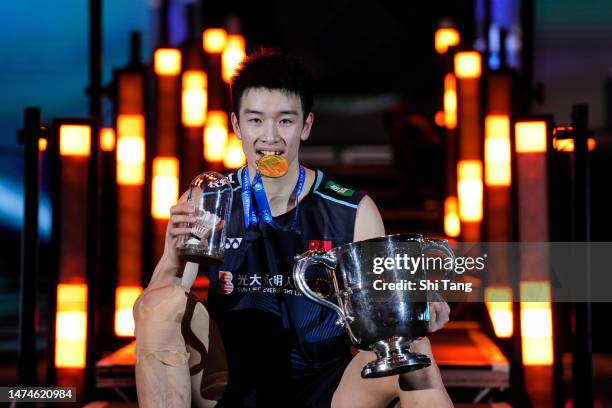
194	98
124	321
42	144
172	94
450	101
71	206
131	154
530	137
107	139
536	323
233	54
71	325
468	65
468	69
498	203
498	300
213	40
165	186
234	155
215	136
75	140
167	62
497	150
533	212
469	188
130	150
452	223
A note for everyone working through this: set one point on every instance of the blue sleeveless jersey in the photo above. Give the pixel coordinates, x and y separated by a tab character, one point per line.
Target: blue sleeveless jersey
271	332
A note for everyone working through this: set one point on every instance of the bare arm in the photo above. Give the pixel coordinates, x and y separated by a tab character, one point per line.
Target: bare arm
368	222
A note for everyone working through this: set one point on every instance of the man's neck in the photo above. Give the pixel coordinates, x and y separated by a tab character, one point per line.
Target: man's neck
279	189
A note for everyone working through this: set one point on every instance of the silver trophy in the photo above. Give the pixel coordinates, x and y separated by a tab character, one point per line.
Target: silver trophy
377	294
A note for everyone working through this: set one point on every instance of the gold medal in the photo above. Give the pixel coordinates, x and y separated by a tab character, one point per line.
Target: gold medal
272	165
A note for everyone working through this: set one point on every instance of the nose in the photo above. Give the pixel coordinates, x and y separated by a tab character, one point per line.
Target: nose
271	134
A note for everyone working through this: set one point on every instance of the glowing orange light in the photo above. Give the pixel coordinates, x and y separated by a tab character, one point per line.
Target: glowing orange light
567	145
213	40
71	325
194	98
165	186
497	150
42	144
130	126
234	156
167	61
439	118
530	137
233	54
107	139
536	323
468	64
130	149
125	296
452	224
469	188
75	140
499	305
215	136
450	101
445	38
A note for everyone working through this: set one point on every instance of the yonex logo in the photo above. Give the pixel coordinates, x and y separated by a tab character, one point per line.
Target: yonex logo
232	243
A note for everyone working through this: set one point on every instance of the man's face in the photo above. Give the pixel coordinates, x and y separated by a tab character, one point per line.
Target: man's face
271	122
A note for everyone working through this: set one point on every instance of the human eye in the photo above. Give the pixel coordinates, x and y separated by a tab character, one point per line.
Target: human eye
254	120
286	121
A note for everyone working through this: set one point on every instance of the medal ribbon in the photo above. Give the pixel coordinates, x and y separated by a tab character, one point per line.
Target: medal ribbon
263	207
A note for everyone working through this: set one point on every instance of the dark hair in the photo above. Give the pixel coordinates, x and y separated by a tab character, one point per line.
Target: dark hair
272	69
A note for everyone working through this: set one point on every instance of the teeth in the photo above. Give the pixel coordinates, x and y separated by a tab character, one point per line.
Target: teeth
269	152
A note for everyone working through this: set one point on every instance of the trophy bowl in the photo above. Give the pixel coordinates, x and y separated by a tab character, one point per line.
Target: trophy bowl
377	296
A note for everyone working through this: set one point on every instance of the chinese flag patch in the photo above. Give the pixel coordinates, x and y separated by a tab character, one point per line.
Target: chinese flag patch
314	245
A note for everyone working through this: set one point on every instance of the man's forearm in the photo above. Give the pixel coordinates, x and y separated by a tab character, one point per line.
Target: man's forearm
164	274
426	378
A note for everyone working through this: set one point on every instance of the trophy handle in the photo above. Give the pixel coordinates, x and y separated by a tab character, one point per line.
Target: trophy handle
440	245
305	261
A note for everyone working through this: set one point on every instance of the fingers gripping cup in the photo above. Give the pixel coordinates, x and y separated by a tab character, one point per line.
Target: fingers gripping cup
211	195
378	297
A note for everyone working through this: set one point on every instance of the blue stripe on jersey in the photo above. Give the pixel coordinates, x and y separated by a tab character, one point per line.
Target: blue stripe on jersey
335	200
319	178
239	177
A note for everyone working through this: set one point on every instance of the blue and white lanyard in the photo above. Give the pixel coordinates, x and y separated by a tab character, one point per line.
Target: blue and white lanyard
250	216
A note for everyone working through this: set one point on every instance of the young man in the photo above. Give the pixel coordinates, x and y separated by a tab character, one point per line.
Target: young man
281	348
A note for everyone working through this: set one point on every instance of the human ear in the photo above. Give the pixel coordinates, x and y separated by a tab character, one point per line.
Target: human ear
307	127
235	125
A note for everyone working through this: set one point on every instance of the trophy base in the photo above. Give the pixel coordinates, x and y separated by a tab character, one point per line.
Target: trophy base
393	359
